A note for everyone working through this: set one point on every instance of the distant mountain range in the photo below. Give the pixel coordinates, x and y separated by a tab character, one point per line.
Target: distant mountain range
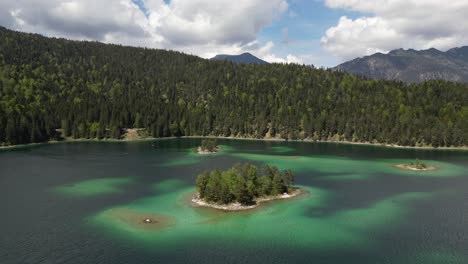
245	58
412	66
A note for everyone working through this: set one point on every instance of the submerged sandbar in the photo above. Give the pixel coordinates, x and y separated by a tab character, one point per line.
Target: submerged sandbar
415	168
140	220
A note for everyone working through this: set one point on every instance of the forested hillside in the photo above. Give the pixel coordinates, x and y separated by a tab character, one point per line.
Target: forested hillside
93	90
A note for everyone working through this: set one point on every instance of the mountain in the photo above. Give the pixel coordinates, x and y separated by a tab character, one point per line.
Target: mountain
245	58
412	66
52	88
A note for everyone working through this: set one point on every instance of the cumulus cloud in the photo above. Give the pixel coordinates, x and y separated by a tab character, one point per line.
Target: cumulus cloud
83	19
223	21
201	27
387	25
266	54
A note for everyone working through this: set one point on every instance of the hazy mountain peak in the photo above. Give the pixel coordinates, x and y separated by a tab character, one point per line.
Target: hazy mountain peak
246	58
412	65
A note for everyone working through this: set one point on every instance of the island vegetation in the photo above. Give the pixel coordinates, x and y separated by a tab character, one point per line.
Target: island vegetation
243	186
208	146
416	166
55	88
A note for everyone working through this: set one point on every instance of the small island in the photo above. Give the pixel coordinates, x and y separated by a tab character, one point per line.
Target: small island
416	166
208	146
241	187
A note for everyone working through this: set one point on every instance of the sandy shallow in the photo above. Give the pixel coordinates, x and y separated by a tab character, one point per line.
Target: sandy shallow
411	168
239	207
139	220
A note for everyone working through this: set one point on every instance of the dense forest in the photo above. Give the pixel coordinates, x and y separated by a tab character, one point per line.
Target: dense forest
243	184
94	90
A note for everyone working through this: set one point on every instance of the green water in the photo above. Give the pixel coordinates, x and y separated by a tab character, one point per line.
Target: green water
85	203
94	187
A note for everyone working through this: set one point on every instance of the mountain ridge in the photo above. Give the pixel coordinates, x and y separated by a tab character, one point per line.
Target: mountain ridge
412	66
246	58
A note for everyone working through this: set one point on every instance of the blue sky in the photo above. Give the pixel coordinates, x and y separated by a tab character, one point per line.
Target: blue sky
319	32
305	23
299	29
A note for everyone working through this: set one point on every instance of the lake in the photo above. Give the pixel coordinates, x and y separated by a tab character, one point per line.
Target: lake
85	202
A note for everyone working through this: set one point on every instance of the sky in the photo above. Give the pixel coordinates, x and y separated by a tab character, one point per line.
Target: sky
323	33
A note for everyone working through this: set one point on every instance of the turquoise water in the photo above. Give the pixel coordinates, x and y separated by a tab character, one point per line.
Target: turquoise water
86	202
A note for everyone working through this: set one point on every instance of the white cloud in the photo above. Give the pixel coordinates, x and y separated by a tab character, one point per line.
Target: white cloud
289	59
77	19
222	21
201	27
391	24
265	53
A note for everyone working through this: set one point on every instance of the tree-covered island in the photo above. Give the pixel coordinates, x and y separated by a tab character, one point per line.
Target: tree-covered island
208	146
244	186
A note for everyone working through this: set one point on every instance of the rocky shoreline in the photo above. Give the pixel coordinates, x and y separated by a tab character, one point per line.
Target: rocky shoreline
206	152
413	168
197	202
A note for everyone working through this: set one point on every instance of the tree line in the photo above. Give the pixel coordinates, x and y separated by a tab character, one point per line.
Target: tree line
55	87
242	184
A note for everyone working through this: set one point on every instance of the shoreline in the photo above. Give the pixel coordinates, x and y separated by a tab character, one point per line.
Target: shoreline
205	152
387	145
411	168
78	140
9	147
236	207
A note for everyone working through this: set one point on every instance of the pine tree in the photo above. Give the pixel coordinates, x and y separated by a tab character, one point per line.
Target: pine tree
201	182
277	185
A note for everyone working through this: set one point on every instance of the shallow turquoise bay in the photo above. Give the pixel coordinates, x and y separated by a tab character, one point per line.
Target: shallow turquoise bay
84	202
